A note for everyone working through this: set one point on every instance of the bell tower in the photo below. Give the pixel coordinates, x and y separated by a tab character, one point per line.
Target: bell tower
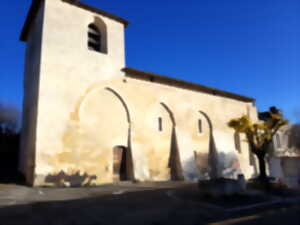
69	47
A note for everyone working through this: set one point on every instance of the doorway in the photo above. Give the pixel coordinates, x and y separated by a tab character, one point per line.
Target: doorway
120	164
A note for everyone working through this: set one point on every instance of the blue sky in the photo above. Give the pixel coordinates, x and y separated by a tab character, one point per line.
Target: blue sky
249	47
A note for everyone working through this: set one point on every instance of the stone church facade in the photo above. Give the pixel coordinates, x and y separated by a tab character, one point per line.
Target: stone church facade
89	120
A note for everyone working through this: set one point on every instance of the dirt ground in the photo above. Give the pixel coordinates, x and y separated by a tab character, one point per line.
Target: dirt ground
147	204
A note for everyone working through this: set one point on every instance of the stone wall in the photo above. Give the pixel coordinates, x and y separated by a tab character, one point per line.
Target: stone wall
126	113
31	94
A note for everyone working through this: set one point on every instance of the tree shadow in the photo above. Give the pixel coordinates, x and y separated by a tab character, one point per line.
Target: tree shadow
143	207
137	207
229	166
63	179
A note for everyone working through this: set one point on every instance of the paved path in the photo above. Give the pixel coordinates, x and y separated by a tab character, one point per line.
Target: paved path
286	216
16	194
147	204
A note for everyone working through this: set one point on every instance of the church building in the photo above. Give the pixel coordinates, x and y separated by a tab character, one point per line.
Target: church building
90	120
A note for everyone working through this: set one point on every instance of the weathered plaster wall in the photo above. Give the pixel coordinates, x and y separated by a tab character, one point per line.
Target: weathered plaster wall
101	117
284	159
31	89
86	107
67	66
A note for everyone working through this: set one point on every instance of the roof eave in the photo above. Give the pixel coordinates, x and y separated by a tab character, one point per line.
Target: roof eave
97	11
186	84
37	3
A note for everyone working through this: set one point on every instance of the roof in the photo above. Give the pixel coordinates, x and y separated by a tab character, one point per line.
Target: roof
35	5
138	74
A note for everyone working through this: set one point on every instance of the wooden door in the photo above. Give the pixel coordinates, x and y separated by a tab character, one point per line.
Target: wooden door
117	156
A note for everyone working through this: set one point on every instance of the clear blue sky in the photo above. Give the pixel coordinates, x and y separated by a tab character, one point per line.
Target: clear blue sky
249	47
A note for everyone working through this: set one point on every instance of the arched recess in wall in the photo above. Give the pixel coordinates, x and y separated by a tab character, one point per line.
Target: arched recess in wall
213	154
174	158
100	89
123	103
129	157
200	130
105	121
208	120
169	112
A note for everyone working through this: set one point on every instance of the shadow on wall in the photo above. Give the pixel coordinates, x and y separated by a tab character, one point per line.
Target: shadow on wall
63	179
174	159
213	152
228	166
294	137
204	165
129	159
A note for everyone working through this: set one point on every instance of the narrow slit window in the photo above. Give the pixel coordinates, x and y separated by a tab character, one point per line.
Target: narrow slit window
200	128
160	127
94	38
